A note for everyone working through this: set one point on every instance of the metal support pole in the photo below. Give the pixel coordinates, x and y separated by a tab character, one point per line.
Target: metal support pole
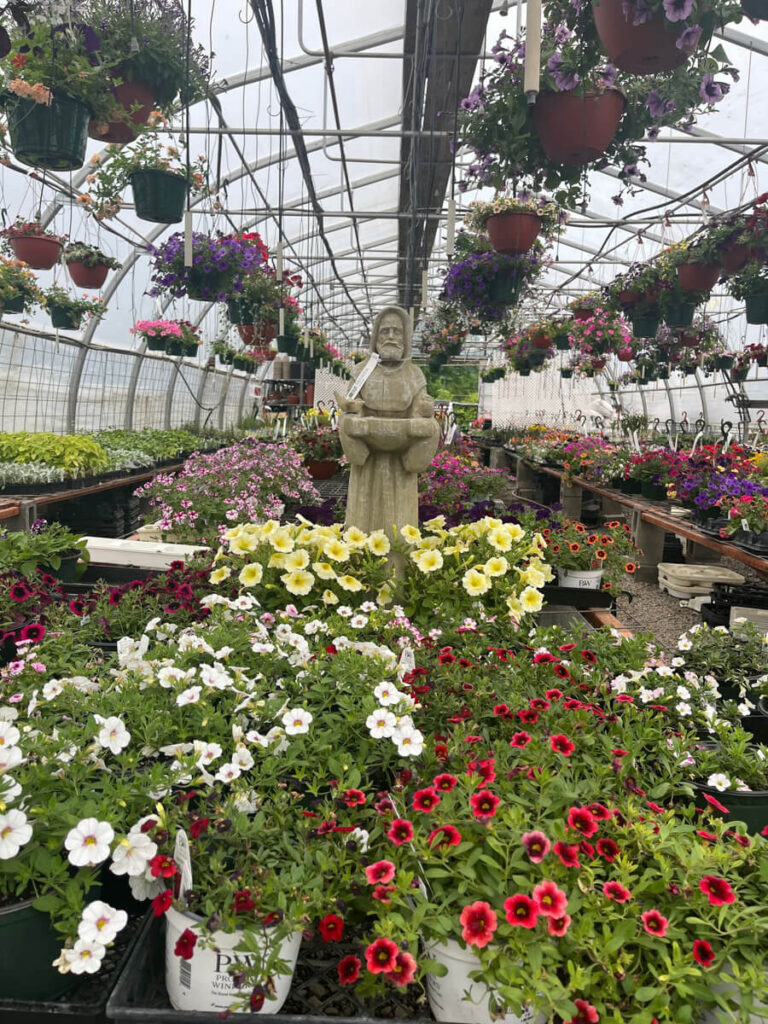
199	396
75	378
242	401
169	396
132	385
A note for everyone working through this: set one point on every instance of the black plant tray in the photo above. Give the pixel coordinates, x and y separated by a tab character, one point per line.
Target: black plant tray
88	1000
117	574
315	997
578	597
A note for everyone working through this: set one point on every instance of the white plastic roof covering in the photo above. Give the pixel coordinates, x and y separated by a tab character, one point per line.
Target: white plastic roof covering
262	175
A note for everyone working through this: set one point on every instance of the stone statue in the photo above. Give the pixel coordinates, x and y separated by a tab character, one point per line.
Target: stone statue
388	430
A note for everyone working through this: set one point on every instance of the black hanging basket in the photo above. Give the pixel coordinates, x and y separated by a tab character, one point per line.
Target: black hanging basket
65	319
52	136
159	196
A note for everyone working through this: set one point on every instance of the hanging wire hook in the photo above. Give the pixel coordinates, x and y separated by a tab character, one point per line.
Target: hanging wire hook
248	18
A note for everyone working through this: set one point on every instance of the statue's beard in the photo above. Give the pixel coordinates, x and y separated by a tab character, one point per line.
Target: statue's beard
391	354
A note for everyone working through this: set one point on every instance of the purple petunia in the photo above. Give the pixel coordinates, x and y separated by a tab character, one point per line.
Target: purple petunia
678	10
607	76
688	38
711	91
657	105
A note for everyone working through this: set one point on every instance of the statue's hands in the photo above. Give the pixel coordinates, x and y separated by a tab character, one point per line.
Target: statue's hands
424	407
348	405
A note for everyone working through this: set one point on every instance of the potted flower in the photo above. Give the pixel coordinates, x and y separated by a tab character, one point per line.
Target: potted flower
32	244
160	335
750	285
590	559
489	283
219	265
321	450
677	303
88	266
698	263
18	286
523	354
47	546
735	658
747	521
582	306
157	174
514	222
67	312
224	351
601	334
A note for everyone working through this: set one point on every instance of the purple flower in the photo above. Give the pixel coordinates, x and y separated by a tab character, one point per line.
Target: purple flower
562	34
565	80
677	10
711	91
639	11
688	38
657	105
607	76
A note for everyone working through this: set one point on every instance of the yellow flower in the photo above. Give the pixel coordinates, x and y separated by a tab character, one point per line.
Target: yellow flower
220	574
500	540
533	577
384	596
515	608
329	597
298	582
251	574
324	570
354	537
281	540
410	534
350	583
436	523
475	582
531	600
492	523
232	532
296	560
496	566
378	543
336	550
276	561
243	543
515	531
269	527
428	543
429	561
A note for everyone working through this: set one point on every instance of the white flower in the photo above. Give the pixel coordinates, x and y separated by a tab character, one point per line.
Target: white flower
683	709
228	773
84	957
9	789
409	741
386	694
9	758
664	670
51	689
368	607
9	735
745	708
246	802
169	674
243	758
100	923
189	696
361	837
113	734
358	621
381	724
683	693
215	676
296	721
684	644
132	854
177	750
206	753
131	652
14	833
88	842
619	684
8	714
677	662
344	611
719	782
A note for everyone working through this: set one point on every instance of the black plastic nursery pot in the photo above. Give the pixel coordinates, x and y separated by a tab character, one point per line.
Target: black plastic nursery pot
156	343
15	305
757	308
174	347
757	9
679	314
645	326
655	492
30	945
562	344
65	319
67	569
52	136
751	808
159	196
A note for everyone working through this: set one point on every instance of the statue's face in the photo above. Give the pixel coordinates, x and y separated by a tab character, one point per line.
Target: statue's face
391	343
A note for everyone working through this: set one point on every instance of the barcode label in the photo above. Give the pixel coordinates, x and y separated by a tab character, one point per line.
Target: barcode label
185	973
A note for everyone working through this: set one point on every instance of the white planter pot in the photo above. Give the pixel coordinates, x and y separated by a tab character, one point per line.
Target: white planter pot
447	995
584	579
202	984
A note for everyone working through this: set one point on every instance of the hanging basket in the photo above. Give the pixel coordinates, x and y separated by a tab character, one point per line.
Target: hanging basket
723	362
14	305
697	277
240	311
159	196
321	469
65	319
156	342
566	374
679	314
52	136
689	340
205	287
576	130
734	257
40	252
137	94
628	298
757	308
562	343
174	347
646	49
504	289
513	232
582	313
88	277
645	326
624	355
261	333
755	9
286	344
541	341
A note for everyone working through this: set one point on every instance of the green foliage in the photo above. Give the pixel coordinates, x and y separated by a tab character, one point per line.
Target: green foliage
77	455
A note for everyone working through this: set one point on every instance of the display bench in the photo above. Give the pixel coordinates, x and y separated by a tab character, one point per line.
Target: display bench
650	520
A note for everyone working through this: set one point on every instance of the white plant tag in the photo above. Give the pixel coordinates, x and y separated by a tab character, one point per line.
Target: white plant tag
357	385
407	663
183	858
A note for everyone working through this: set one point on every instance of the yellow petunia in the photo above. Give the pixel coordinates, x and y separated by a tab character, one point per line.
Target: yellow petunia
531	600
533	577
429	561
350	583
281	540
218	575
329	597
384	596
475	582
378	543
498	566
276	561
298	582
354	537
428	543
499	539
436	523
514	606
336	550
233	531
251	574
323	570
296	560
269	527
410	534
243	543
515	531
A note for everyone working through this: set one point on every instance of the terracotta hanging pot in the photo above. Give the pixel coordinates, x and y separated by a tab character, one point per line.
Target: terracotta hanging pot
734	256
697	277
87	277
576	130
625	354
127	95
582	312
629	298
39	252
689	340
514	232
540	341
261	333
645	49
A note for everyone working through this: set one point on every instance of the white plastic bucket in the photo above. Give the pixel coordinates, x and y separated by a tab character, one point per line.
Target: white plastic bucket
447	994
585	579
202	983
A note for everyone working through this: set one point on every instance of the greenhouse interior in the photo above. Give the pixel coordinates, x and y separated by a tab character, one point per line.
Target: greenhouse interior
384	511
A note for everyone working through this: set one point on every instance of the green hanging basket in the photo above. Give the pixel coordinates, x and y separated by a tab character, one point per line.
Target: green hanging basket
174	347
15	305
562	344
159	196
645	326
504	289
287	344
156	343
65	319
566	374
679	314
53	137
757	308
240	311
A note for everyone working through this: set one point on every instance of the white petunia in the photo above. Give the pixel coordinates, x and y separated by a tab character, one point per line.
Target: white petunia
358	621
84	957
9	789
677	662
381	724
664	670
361	837
9	758
684	644
188	696
100	923
719	781
215	676
247	803
132	854
386	694
243	758
683	709
296	721
89	842
9	735
409	741
683	693
206	753
113	734
51	689
228	773
14	833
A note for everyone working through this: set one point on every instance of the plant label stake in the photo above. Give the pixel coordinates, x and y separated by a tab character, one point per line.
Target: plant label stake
450	228
183	858
187	238
357	386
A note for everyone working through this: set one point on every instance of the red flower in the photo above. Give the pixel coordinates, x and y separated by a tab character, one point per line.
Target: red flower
256	998
582	820
708	837
426	800
162	902
484	804
478	923
485	769
618	752
558	925
715	803
567	648
349	970
587	849
243	902
655	923
199	826
382	893
380	956
543	657
587	1013
599	812
353	797
446	658
331	927
740	839
554	694
163	866
400	831
703	953
568	854
764	831
445	782
537	846
404	971
625	698
615	891
562	745
607	849
656	808
589	657
521	910
528	716
538	704
717	890
550	900
450	836
381	871
441	752
185	944
520	739
502	710
19	60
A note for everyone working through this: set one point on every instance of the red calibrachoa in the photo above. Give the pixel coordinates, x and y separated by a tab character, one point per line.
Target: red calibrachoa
349	970
587	1013
446	835
353	797
426	800
185	944
703	953
520	739
562	745
404	970
445	782
617	892
381	956
243	902
582	820
568	854
162	902
607	849
382	871
558	926
478	923
400	831
550	900
717	890
163	866
484	804
331	927
537	846
521	910
655	923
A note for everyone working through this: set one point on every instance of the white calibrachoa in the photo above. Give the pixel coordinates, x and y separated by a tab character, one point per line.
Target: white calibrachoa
101	923
296	721
113	733
15	832
89	842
